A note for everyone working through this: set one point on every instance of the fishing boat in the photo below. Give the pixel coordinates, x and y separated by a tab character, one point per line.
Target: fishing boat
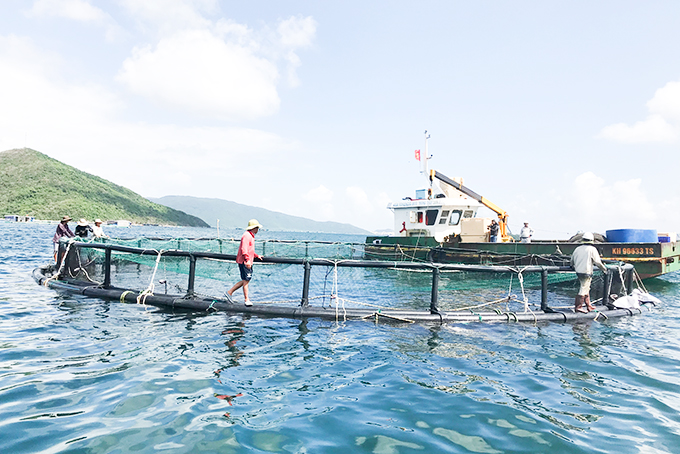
440	224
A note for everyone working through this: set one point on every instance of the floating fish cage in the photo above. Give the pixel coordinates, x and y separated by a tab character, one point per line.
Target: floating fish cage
327	280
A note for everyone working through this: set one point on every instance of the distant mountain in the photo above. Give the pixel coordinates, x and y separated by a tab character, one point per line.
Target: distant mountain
235	215
34	184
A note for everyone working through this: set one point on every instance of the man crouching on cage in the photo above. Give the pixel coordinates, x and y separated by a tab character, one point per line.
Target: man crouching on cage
582	260
245	257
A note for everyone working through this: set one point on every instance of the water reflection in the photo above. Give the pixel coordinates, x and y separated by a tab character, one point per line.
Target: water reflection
233	332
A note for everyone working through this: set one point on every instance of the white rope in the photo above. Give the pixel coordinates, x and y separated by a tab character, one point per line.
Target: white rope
63	263
141	298
623	282
82	268
525	300
638	281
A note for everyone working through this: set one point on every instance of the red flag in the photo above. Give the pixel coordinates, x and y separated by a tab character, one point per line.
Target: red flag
417	155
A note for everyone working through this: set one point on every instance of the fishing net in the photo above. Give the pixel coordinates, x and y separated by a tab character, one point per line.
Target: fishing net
329	283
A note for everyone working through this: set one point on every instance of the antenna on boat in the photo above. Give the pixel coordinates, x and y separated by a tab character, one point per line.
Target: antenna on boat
426	169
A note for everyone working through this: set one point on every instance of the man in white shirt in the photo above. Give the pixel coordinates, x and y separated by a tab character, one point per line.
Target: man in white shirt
582	260
97	230
526	233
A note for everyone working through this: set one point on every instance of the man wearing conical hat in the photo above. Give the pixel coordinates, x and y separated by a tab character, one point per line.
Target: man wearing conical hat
245	257
582	260
97	230
83	228
62	230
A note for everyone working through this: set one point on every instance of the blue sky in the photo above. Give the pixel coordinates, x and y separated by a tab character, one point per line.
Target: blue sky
566	114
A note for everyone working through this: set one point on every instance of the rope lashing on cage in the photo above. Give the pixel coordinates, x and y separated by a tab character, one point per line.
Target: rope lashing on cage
520	278
82	268
63	263
141	298
124	294
477	306
621	278
638	281
378	314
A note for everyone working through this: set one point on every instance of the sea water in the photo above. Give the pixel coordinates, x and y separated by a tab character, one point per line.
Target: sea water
84	375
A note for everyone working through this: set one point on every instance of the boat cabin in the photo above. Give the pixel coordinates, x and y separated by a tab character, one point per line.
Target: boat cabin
433	214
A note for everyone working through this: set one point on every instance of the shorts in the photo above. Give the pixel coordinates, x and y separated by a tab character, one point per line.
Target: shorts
56	247
584	280
246	273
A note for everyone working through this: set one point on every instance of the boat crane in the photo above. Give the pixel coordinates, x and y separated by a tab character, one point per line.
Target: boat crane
502	214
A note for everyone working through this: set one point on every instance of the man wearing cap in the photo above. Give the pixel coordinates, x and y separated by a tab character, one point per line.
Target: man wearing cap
582	260
97	230
62	230
526	233
245	257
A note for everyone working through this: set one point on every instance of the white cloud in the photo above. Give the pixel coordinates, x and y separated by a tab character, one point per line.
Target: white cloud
80	125
165	17
319	194
358	200
78	10
321	205
218	69
198	71
622	203
661	125
295	32
666	102
40	104
653	129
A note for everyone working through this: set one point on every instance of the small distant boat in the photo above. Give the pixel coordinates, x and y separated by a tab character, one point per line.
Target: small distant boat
120	223
18	218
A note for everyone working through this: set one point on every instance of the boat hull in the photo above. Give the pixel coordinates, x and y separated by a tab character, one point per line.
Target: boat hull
650	259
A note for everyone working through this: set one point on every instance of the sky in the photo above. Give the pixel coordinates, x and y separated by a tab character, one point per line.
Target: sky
565	114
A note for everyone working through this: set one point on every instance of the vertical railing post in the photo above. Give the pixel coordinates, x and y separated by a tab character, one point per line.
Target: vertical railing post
107	268
305	284
192	275
435	291
544	289
628	273
606	287
60	254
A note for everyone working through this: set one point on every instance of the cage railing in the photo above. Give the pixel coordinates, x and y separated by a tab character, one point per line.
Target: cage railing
626	271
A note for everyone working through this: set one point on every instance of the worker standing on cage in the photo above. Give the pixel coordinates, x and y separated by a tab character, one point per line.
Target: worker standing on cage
97	230
582	260
245	257
62	230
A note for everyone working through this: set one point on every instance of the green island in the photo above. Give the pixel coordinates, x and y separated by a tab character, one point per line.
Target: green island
33	184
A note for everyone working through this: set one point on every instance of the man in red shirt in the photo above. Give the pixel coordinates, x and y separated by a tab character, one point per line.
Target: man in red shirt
245	257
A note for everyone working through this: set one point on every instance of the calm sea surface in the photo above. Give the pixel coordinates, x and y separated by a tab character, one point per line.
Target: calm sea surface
83	375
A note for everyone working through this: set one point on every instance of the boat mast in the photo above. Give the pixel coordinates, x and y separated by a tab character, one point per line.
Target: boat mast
425	169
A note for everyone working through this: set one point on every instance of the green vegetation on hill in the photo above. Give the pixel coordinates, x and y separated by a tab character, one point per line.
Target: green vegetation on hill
34	184
235	215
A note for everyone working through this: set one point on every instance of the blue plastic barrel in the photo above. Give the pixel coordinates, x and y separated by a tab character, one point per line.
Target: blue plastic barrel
632	236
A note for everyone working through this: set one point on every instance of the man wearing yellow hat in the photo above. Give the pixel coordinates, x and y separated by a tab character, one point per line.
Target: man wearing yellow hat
245	257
